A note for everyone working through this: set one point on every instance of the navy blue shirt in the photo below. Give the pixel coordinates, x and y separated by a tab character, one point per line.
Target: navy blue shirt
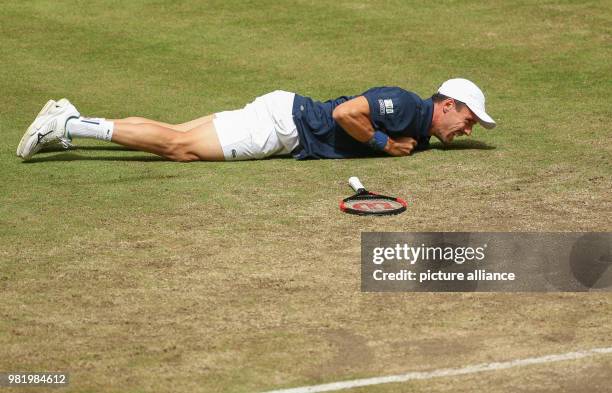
393	110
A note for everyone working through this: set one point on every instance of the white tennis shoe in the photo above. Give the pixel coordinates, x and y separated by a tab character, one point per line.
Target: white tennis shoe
48	128
45	110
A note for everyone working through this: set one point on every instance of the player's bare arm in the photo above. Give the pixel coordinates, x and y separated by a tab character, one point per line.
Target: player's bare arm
354	117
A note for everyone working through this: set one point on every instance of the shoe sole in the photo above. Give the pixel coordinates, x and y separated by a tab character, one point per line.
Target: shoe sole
32	128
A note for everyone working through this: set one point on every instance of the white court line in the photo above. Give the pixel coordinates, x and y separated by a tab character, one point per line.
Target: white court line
445	372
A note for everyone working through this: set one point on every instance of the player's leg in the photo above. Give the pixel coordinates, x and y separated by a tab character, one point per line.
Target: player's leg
143	120
198	139
183	127
190	125
200	143
60	122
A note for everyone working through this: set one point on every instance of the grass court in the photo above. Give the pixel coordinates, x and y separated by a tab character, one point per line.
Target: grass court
136	274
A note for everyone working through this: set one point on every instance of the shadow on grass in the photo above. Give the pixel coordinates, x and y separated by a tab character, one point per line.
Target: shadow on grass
67	156
102	148
72	156
462	145
77	157
57	148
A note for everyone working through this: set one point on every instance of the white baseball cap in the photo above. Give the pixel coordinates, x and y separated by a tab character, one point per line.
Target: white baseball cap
468	93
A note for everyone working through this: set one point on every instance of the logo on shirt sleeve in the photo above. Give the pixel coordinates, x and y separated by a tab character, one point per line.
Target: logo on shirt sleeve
385	106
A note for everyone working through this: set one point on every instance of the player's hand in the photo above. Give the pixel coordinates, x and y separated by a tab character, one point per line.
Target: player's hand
400	146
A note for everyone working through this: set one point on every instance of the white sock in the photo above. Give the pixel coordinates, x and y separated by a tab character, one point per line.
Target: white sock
87	127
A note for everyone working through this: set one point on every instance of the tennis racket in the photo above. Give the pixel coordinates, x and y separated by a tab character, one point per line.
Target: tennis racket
366	203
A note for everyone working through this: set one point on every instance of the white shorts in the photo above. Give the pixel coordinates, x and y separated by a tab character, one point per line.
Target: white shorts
263	128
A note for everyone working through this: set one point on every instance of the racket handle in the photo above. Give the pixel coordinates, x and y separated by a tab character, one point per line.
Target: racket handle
356	184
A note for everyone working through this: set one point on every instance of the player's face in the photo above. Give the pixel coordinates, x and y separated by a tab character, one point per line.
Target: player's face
455	123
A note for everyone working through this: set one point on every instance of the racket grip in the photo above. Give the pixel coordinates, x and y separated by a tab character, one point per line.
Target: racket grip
356	184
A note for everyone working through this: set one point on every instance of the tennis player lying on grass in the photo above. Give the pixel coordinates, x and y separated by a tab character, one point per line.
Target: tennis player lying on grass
381	121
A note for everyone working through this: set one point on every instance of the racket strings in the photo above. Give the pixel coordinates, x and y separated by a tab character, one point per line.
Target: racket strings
373	204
